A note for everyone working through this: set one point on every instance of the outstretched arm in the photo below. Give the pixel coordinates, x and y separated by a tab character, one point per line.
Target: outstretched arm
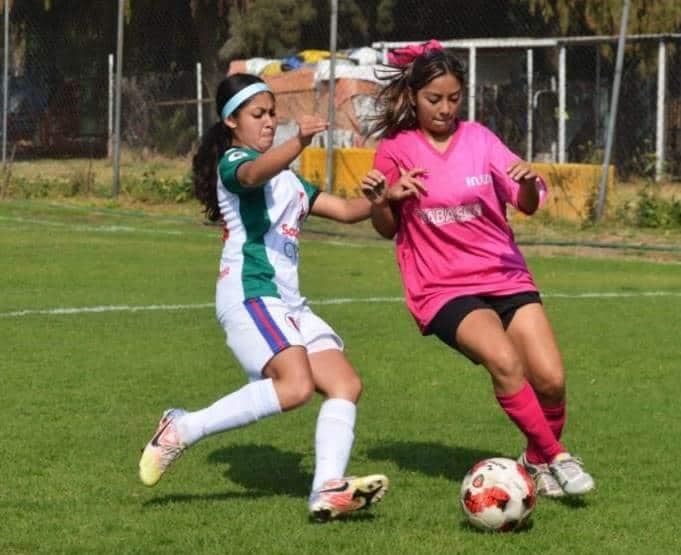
278	158
339	209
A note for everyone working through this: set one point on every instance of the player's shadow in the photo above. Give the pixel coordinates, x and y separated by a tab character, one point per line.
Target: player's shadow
432	459
262	470
572	502
191	497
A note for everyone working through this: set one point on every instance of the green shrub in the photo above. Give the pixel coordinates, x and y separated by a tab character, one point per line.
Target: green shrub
42	187
675	213
152	188
650	210
148	188
82	182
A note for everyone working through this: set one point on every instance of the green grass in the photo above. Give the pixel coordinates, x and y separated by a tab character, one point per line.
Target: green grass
82	392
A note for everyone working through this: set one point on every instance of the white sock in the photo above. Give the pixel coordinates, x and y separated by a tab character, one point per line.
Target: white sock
333	439
244	406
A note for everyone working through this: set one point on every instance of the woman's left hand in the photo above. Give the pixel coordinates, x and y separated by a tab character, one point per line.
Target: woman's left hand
374	187
522	172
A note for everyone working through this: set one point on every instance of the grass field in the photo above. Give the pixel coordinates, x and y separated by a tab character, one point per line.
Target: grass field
106	319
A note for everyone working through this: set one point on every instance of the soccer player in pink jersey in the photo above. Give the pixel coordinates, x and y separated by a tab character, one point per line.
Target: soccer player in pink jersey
465	279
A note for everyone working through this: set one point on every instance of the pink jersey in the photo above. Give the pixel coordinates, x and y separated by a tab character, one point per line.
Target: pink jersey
455	240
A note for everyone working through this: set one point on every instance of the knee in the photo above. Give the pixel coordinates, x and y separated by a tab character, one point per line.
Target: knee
551	388
351	388
506	370
348	387
505	365
295	391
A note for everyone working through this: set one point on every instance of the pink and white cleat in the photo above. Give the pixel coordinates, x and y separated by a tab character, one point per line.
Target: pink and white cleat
345	495
163	448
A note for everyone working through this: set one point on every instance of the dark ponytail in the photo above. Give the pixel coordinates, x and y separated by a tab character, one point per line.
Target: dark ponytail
204	168
213	145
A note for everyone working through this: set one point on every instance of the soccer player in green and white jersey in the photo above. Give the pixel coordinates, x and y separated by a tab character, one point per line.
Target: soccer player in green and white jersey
286	350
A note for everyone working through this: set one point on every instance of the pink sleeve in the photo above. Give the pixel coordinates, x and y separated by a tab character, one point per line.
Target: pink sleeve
386	163
500	158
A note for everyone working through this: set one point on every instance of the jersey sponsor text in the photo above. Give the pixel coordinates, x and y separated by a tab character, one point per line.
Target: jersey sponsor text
450	214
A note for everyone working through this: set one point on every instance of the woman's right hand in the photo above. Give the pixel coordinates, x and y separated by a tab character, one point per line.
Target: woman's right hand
374	186
309	126
408	185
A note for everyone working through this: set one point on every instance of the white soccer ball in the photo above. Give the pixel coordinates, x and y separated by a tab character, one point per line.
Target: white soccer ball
497	494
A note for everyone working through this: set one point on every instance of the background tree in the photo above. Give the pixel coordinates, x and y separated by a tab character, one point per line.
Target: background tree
266	27
359	22
603	16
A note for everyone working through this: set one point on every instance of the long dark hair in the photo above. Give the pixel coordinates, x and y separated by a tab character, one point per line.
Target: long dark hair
214	143
395	112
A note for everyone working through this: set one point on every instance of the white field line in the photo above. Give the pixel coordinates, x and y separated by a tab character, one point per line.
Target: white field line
93	228
332	301
131	229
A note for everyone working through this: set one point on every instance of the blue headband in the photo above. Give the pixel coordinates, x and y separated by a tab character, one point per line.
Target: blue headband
239	98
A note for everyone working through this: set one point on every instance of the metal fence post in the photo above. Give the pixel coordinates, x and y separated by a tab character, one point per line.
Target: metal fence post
562	110
109	147
472	59
5	85
661	93
600	205
199	100
530	94
117	122
332	94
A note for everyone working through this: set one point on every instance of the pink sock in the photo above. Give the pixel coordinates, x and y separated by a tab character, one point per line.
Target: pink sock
524	409
555	416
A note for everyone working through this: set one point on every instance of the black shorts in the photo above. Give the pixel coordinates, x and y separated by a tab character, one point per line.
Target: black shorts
448	318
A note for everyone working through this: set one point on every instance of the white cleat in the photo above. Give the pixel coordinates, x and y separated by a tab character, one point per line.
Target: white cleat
570	474
544	480
163	448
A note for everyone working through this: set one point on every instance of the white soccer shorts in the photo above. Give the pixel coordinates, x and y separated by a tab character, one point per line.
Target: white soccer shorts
260	328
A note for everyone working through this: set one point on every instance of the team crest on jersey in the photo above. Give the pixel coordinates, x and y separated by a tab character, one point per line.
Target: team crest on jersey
238	155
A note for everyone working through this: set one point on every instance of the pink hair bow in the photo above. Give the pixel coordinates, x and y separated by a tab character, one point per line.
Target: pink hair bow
402	57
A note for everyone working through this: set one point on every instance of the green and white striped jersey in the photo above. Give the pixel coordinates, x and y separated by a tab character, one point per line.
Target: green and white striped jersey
262	228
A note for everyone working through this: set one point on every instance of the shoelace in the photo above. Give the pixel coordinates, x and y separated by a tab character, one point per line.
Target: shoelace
171	448
536	470
169	453
543	477
572	467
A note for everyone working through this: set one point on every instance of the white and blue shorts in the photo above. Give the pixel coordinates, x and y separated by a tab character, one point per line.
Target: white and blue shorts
259	328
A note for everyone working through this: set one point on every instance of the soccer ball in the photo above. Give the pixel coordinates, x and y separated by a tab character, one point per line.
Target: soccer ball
497	494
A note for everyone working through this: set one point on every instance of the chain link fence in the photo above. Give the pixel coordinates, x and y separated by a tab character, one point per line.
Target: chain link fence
60	68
